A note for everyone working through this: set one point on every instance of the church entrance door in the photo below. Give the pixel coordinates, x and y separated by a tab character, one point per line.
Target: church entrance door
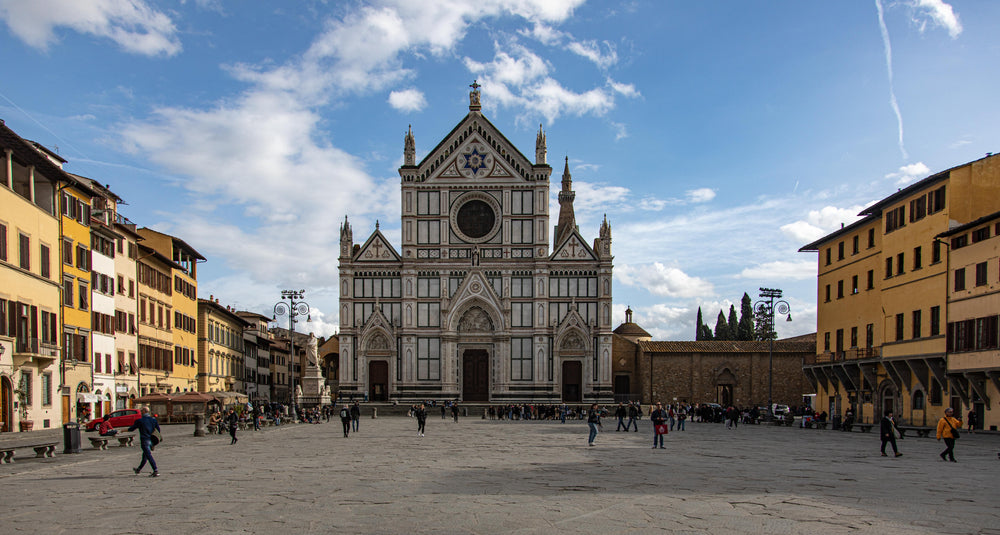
378	380
475	375
572	381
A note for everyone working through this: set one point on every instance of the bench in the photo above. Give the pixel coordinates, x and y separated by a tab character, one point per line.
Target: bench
99	443
125	439
923	432
47	449
821	425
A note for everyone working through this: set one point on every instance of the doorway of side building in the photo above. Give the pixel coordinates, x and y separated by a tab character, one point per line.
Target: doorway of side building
378	380
475	375
572	381
724	387
6	407
622	388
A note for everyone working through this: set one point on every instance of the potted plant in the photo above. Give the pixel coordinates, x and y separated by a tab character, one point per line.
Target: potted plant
22	408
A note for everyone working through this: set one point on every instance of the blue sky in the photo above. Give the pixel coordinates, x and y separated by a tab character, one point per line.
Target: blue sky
718	137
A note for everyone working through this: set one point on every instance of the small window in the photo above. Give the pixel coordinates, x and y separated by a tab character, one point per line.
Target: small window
959	279
899	326
917	258
829	256
918	400
981	274
25	251
840	251
855	247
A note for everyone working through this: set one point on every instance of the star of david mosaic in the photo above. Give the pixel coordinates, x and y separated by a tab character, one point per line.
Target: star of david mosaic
475	164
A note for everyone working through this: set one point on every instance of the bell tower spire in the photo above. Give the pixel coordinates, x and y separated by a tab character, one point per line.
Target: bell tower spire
567	219
540	150
409	148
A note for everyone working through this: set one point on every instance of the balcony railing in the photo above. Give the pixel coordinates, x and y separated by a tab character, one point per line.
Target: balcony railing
857	353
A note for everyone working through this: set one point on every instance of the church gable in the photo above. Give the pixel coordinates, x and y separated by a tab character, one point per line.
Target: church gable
475	290
475	150
377	249
574	248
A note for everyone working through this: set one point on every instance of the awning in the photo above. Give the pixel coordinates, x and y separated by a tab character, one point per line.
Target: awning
87	397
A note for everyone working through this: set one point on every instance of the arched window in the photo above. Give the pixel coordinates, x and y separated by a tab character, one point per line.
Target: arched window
918	400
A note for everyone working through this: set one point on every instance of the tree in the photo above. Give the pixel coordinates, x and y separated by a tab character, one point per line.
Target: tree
706	332
733	324
721	327
745	330
697	326
762	326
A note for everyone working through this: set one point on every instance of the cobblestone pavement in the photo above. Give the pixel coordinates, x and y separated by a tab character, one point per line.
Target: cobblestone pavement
477	476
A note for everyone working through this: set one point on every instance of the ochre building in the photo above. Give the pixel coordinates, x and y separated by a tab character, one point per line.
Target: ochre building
885	293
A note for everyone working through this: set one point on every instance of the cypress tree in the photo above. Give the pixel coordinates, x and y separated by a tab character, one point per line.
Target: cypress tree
721	327
697	326
706	332
733	324
745	331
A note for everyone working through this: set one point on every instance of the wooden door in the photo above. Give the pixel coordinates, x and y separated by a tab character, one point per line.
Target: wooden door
476	375
65	409
572	381
378	380
6	405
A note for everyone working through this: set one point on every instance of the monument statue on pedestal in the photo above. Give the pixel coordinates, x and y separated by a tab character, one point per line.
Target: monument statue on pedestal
313	390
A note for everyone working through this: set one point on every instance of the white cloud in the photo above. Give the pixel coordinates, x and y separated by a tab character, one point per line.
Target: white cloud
819	223
592	50
909	173
653	204
519	78
627	90
781	270
408	100
133	24
663	280
700	195
545	34
936	13
620	131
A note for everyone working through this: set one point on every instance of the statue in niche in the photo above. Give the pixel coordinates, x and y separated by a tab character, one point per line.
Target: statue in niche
475	320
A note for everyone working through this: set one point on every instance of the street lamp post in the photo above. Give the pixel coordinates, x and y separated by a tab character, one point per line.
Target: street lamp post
294	307
770	303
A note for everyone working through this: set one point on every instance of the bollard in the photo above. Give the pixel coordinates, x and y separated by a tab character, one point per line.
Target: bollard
199	425
374	413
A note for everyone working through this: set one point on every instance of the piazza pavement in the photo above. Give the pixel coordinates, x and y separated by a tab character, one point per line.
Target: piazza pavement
478	476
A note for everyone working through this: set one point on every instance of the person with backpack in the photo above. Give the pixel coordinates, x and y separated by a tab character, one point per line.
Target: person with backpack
947	429
345	418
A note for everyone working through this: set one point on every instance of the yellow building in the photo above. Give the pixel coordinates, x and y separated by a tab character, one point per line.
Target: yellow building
220	347
182	319
882	299
30	309
973	308
155	337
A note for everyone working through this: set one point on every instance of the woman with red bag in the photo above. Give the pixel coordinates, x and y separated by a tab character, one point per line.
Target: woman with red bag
659	418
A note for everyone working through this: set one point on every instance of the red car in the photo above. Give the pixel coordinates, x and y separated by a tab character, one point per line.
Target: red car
119	418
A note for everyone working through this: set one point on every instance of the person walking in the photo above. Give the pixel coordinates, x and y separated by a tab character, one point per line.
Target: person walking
659	418
454	411
146	425
593	421
421	415
888	431
256	418
633	417
234	421
620	415
681	417
947	429
972	421
345	419
355	416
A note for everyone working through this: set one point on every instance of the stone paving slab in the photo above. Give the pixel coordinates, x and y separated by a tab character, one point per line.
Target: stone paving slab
477	476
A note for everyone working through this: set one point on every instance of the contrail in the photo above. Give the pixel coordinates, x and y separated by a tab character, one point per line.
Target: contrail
888	66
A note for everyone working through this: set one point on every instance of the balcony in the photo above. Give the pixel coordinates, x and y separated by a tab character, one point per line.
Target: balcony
856	353
34	350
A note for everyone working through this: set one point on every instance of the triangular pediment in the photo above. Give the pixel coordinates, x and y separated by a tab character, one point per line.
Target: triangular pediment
475	150
377	249
573	248
475	292
572	333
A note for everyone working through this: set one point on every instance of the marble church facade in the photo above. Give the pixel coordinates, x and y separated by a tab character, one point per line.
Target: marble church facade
479	303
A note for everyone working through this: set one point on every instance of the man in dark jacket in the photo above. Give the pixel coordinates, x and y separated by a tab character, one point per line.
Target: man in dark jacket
355	416
659	418
421	415
345	418
233	420
888	432
146	425
620	414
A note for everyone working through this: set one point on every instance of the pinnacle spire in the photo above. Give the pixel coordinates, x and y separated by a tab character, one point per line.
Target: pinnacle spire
409	147
540	150
567	219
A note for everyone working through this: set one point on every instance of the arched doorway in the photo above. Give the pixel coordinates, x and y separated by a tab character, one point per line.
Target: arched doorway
378	380
725	387
887	399
6	404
